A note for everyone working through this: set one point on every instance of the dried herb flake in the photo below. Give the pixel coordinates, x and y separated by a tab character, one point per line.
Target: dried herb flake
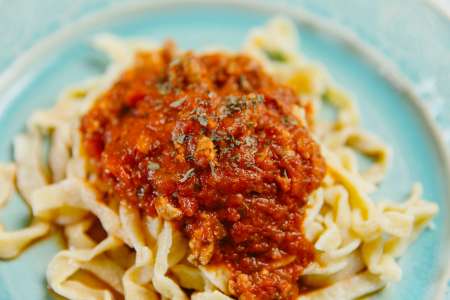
187	175
203	120
178	102
179	138
153	166
163	87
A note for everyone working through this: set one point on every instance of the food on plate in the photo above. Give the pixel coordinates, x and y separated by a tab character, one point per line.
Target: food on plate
209	175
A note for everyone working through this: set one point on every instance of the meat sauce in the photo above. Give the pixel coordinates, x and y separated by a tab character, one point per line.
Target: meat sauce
211	143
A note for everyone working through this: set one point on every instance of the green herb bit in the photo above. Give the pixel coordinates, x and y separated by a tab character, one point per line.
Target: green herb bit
153	166
256	99
259	98
203	120
250	141
275	55
187	175
229	138
234	104
236	157
178	102
215	137
224	150
289	121
178	138
199	115
163	87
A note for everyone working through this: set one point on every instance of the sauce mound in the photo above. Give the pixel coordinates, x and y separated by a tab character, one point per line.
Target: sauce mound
211	143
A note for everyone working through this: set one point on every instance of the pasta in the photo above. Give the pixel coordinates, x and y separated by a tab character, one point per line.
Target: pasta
356	240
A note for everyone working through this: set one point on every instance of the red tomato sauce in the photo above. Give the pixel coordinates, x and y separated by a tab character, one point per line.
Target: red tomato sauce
213	138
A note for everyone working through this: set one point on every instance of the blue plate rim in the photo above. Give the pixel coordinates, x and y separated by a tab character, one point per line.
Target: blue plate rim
383	65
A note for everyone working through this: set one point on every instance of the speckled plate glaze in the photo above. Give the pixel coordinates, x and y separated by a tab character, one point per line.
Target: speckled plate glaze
387	104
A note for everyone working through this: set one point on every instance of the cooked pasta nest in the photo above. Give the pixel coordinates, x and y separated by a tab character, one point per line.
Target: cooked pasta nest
356	240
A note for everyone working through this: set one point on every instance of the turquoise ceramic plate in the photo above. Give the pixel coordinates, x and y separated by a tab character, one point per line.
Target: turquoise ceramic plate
388	110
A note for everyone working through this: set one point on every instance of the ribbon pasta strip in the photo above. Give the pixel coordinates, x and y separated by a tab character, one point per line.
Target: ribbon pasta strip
114	252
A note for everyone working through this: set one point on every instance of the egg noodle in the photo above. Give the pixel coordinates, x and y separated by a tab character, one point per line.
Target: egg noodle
356	240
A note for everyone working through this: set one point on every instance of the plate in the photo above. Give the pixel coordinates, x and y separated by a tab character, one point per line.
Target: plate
388	108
